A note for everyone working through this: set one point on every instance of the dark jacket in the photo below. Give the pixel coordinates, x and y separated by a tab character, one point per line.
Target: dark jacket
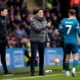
38	31
3	29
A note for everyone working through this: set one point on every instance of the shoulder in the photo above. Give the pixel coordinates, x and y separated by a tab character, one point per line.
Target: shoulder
33	19
75	21
63	20
44	20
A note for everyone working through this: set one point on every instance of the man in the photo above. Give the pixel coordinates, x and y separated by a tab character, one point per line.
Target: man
69	28
3	42
38	36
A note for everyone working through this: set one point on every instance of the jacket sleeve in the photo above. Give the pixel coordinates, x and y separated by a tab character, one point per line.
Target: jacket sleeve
48	38
38	27
78	30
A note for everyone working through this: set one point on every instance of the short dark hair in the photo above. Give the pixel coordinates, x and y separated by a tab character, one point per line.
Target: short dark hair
2	8
39	10
36	10
72	11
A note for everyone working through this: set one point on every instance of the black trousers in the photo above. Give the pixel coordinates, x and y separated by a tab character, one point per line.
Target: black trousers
3	55
37	46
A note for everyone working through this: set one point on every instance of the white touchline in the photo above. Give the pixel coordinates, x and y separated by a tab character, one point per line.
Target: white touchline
31	77
21	78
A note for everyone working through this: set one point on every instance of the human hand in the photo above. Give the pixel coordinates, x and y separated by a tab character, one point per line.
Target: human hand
49	25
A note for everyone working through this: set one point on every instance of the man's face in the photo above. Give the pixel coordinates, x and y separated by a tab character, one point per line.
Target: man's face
40	13
4	12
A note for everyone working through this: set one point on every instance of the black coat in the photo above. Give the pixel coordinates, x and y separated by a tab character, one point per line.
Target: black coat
3	29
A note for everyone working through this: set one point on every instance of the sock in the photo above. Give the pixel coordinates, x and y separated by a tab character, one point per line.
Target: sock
67	65
75	63
73	70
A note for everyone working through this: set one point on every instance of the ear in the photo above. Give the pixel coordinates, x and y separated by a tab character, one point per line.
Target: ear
1	12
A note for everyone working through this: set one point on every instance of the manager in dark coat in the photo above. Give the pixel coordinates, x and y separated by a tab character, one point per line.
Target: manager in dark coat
3	41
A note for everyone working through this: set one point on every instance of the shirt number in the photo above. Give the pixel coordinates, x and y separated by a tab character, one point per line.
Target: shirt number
69	28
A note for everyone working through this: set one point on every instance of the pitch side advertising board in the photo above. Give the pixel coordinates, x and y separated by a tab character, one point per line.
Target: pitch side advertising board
14	58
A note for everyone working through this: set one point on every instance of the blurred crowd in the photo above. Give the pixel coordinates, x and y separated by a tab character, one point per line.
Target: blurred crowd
19	27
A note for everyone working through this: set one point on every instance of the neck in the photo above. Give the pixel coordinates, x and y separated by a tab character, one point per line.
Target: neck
72	17
39	18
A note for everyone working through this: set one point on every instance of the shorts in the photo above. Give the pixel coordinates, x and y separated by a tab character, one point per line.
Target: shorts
70	48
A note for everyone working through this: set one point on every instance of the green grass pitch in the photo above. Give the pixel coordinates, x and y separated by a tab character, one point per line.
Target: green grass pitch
56	74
